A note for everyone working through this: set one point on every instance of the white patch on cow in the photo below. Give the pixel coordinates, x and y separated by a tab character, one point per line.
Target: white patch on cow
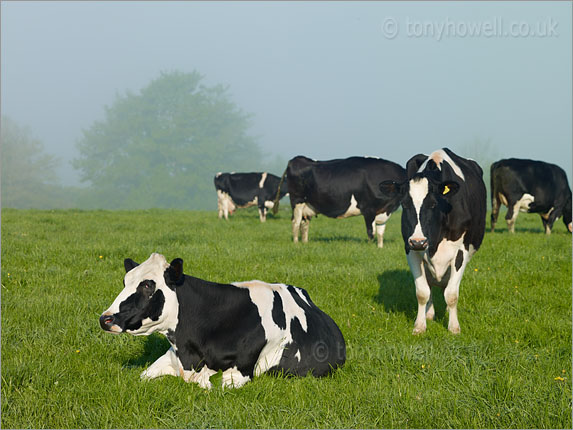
277	339
151	269
167	364
269	204
379	226
297	355
445	254
418	192
522	205
263	179
524	202
218	174
352	209
439	157
234	378
372	156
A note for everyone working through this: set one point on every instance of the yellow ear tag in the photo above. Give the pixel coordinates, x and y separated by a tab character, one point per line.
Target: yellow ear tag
446	189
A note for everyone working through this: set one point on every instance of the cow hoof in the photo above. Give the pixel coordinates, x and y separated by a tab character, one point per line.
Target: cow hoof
418	330
454	330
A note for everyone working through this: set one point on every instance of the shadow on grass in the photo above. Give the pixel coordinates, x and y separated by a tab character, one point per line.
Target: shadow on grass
155	346
338	238
397	293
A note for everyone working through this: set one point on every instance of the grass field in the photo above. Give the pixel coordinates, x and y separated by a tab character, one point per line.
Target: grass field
509	368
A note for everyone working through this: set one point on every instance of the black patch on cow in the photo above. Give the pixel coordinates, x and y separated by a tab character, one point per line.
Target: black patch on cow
144	303
459	260
278	312
218	327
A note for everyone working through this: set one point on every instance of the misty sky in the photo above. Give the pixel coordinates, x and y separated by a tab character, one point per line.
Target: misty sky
326	80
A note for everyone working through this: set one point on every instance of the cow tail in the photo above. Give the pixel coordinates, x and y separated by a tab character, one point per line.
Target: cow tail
278	196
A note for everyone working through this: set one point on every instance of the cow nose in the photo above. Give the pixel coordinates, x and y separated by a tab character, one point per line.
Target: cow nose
418	244
106	321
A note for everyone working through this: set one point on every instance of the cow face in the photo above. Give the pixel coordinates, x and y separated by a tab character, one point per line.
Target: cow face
148	302
425	205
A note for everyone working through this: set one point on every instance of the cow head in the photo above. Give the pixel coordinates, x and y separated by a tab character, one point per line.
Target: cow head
426	201
148	302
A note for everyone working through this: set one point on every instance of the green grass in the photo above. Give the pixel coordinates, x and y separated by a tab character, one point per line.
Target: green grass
61	269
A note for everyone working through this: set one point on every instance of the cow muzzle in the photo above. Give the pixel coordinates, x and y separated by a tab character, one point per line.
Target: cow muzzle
418	244
107	322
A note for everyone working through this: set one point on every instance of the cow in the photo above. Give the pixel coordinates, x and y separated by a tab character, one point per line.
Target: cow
341	188
243	329
242	190
530	186
443	225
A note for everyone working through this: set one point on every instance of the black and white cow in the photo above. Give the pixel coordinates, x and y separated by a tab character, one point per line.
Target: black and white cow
443	224
242	190
243	329
339	189
530	186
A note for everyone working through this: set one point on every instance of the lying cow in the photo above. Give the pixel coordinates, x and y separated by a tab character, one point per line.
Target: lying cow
242	190
243	329
339	189
530	186
443	224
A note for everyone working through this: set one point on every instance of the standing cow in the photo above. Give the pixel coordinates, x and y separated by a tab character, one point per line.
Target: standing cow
339	189
530	186
443	224
243	329
242	190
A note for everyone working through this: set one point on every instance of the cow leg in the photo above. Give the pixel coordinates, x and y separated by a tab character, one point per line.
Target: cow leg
263	214
167	364
452	292
201	377
495	205
379	226
296	220
511	216
220	204
548	219
304	227
370	227
232	377
423	292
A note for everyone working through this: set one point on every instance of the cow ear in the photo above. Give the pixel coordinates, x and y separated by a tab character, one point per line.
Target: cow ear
174	273
448	189
129	264
414	164
391	188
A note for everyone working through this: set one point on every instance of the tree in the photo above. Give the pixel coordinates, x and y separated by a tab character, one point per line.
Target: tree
29	178
163	146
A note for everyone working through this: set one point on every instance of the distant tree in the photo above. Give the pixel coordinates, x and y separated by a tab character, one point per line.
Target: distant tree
29	178
162	146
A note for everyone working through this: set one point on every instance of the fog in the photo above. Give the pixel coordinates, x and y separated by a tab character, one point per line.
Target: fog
326	80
